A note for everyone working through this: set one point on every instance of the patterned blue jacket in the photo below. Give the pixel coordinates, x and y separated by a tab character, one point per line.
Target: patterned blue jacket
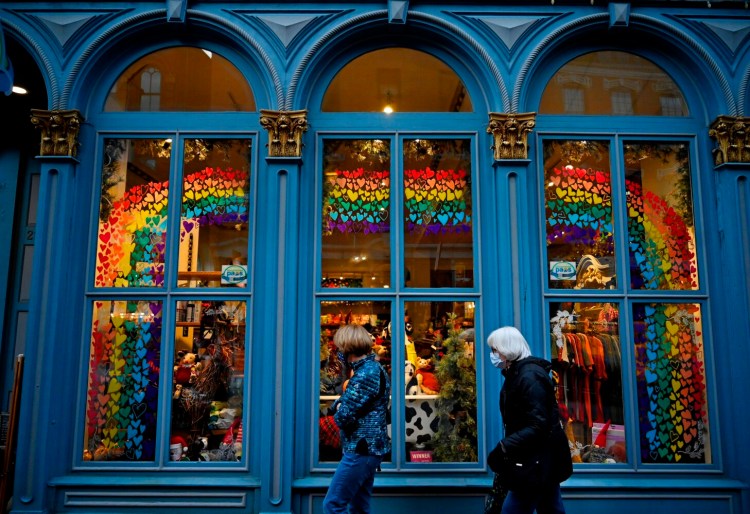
361	413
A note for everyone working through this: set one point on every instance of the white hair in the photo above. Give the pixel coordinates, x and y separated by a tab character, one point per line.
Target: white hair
509	342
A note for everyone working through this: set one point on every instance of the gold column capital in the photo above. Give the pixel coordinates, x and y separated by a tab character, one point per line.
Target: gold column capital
285	129
59	131
510	132
732	135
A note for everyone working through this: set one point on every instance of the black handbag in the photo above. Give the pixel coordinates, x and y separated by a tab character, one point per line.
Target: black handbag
525	473
493	504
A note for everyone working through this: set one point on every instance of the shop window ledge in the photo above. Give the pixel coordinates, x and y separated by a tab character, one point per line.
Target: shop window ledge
451	481
212	478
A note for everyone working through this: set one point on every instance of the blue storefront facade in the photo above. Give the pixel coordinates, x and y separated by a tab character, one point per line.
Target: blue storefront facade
429	170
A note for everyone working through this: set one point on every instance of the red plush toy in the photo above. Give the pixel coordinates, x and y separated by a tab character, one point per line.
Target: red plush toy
428	382
187	371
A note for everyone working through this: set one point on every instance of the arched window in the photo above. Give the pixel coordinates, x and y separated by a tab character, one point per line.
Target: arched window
174	228
397	250
618	211
181	79
396	80
612	83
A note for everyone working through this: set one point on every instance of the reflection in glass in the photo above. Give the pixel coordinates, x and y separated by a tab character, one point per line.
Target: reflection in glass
400	79
578	212
671	381
587	357
214	213
376	318
660	216
180	79
123	381
611	82
356	213
208	381
438	218
440	378
133	213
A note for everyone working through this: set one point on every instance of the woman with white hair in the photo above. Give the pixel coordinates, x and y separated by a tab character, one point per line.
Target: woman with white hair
533	437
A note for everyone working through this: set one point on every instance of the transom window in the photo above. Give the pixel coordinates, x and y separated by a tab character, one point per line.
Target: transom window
180	79
396	80
612	82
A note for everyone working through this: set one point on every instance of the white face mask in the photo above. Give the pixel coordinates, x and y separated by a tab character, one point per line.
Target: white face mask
496	361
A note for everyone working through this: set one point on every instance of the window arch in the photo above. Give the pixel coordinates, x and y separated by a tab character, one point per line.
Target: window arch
397	245
612	83
172	272
621	240
396	80
180	79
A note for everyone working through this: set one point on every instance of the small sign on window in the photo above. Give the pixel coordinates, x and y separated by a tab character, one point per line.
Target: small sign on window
233	274
562	270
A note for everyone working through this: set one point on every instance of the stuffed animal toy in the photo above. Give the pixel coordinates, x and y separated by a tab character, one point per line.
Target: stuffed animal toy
412	384
186	371
177	448
428	382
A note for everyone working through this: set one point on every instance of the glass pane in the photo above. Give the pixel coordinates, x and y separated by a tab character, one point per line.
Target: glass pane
356	213
611	82
671	380
587	357
123	381
578	212
400	79
133	213
180	79
438	217
376	318
440	378
660	216
214	213
209	381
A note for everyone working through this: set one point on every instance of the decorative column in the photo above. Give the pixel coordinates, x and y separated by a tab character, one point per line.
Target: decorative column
285	130
59	131
279	266
732	135
510	132
58	242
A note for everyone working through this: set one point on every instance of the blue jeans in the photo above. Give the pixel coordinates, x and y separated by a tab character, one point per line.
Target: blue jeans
351	486
547	501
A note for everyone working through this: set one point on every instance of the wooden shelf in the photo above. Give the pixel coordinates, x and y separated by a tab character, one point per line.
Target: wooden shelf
199	275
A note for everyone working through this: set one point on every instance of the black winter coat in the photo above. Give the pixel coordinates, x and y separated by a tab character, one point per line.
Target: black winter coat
531	417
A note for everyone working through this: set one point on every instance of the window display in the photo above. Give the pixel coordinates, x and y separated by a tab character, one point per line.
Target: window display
578	212
208	380
214	213
375	317
440	382
661	231
356	213
587	361
133	213
671	378
123	381
438	218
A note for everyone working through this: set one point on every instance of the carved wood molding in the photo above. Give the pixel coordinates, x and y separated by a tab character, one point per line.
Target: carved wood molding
732	135
59	131
510	132
285	129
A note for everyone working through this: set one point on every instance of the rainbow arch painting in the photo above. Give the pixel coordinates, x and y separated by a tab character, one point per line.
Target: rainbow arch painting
579	211
131	241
